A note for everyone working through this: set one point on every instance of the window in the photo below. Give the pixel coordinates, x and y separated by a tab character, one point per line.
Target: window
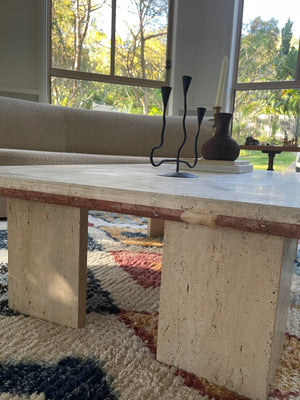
267	76
110	54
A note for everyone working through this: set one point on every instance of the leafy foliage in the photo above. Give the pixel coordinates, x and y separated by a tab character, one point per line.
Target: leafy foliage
258	51
267	55
82	42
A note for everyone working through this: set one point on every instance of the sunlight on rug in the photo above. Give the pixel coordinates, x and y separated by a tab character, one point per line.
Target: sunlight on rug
113	356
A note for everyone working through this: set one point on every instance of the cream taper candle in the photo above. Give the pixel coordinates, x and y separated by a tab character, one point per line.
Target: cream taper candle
221	85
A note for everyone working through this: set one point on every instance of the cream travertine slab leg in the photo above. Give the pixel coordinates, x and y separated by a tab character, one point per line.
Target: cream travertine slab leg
223	304
47	245
155	227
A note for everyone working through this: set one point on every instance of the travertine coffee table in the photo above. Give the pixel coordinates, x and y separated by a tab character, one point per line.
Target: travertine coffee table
229	249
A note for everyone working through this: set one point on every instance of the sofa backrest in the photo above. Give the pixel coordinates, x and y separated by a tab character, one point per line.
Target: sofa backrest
36	126
31	126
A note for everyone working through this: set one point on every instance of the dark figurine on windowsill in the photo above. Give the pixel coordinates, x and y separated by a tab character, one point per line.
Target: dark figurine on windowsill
251	141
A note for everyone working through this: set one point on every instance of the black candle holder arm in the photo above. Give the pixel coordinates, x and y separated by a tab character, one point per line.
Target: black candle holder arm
186	81
200	114
165	90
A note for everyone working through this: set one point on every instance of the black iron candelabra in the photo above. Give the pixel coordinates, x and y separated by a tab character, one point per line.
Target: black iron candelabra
165	91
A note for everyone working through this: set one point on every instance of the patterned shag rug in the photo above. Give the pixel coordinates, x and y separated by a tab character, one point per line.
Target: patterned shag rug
113	356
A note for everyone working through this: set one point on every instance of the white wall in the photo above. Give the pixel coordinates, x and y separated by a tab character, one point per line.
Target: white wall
202	38
19	48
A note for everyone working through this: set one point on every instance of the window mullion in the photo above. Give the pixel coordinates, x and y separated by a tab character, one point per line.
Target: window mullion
169	41
236	43
113	37
87	76
272	85
238	39
297	75
49	49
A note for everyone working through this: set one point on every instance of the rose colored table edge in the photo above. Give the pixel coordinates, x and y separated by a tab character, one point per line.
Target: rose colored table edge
178	215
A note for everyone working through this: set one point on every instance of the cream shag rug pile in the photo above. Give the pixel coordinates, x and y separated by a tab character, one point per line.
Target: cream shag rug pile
113	356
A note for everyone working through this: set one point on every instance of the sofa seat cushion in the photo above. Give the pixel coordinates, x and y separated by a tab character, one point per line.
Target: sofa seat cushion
32	157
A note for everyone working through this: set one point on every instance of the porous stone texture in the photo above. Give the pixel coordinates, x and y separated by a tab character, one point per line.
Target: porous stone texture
219	317
47	247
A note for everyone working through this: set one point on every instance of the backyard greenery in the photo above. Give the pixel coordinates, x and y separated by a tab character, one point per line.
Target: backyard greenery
85	41
82	41
259	160
267	55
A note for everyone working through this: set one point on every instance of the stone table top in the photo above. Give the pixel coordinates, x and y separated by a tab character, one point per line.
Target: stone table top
257	194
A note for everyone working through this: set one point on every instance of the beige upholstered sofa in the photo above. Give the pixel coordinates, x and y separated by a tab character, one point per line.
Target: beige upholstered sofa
36	133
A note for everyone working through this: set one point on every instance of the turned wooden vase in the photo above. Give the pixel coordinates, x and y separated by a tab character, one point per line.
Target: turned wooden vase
221	146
